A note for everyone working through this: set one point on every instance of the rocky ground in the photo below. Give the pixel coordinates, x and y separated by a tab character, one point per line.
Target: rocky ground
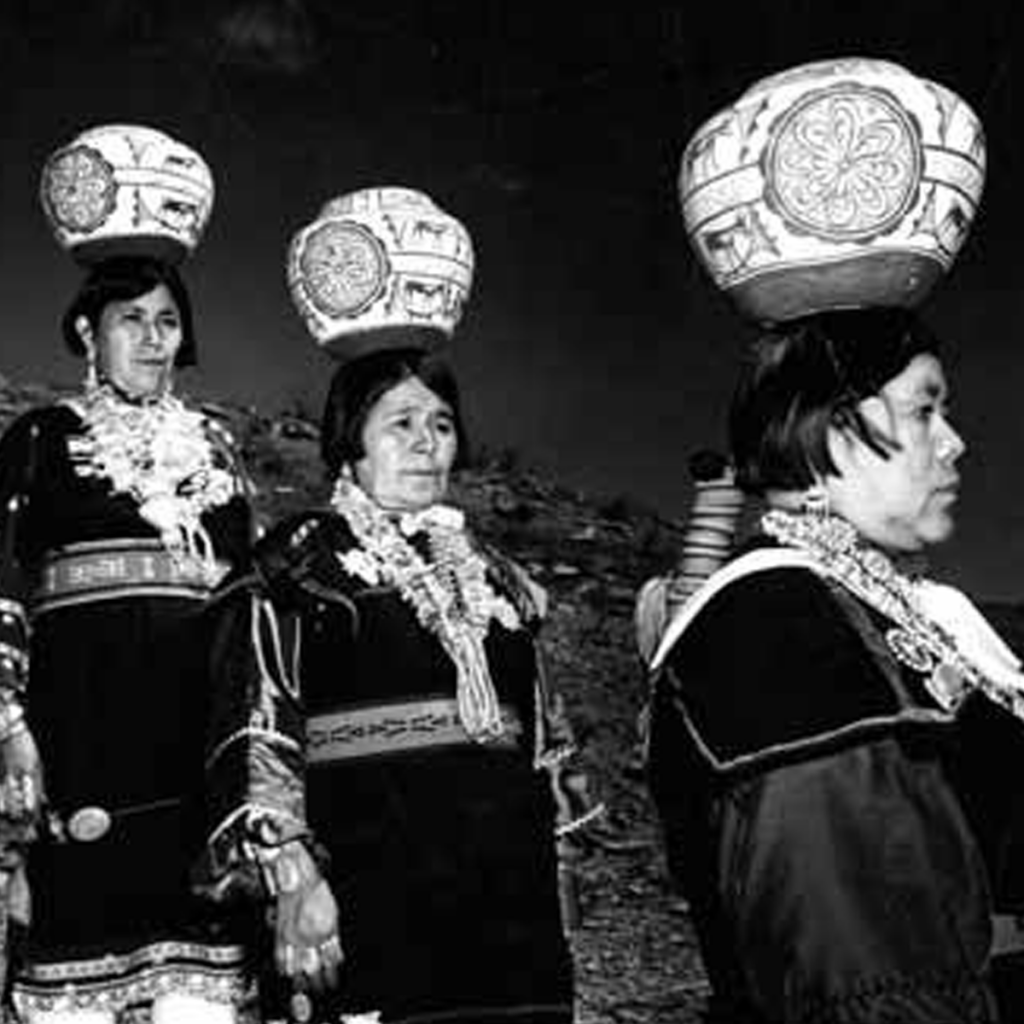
635	953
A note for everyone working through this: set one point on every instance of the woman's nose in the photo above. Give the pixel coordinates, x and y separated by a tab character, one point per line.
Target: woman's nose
950	445
425	440
148	334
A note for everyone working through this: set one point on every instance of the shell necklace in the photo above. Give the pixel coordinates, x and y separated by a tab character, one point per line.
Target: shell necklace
916	638
450	593
159	453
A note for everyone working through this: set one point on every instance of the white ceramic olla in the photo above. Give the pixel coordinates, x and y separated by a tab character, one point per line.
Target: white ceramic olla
837	184
379	258
127	189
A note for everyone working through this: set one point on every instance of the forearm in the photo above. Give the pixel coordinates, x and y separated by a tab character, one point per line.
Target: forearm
255	764
256	794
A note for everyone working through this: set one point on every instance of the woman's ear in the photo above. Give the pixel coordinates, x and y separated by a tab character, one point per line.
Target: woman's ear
84	330
842	444
817	499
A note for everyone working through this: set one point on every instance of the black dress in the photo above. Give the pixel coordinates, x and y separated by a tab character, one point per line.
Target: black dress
440	850
116	700
800	773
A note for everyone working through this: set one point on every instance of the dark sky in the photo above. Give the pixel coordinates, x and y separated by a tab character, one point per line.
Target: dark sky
593	343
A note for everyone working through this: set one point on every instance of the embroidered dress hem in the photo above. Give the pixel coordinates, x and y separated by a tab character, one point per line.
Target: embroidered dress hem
533	1013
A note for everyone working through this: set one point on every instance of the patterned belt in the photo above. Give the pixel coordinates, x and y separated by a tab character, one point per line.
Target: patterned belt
396	728
110	569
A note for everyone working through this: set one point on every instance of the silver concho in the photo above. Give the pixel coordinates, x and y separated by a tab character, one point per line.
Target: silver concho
343	267
88	824
947	686
844	163
910	650
301	1007
78	189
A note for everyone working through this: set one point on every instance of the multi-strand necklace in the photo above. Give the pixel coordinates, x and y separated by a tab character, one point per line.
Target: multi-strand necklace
159	453
449	591
915	638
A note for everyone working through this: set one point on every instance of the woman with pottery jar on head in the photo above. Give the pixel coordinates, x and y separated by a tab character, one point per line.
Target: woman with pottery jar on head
122	507
820	781
385	771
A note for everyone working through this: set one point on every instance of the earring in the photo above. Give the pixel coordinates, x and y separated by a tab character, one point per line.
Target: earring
815	501
91	381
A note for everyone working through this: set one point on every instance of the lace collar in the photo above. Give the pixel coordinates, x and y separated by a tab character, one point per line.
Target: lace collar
159	453
448	590
936	630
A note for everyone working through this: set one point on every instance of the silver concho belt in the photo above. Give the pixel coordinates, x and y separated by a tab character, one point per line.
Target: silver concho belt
92	822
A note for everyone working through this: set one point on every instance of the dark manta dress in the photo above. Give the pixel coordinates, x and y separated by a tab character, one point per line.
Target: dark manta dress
836	830
115	698
440	850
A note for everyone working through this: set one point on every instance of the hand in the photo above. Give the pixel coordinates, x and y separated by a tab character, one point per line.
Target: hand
15	891
21	787
307	948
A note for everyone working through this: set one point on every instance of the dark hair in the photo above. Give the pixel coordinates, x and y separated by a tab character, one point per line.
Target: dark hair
119	279
358	385
808	375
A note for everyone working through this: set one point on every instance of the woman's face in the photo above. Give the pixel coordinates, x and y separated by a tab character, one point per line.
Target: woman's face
410	443
136	342
905	502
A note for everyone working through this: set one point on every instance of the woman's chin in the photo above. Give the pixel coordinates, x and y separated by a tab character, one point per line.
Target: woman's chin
937	529
413	499
142	385
941	530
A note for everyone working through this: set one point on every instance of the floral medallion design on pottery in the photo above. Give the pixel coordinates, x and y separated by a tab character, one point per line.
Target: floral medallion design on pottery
79	189
344	268
845	163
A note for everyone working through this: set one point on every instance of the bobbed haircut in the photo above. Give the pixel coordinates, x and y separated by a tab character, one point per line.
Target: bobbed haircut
359	384
119	279
808	375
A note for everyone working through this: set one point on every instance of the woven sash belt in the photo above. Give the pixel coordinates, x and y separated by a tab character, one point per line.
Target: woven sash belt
105	570
396	728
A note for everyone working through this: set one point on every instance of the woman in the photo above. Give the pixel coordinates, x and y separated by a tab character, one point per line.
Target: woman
807	777
122	507
386	769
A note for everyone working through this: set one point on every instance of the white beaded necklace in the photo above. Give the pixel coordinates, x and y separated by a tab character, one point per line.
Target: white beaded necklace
159	453
915	638
450	593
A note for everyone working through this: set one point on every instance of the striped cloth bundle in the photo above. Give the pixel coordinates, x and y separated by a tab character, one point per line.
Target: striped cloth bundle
711	526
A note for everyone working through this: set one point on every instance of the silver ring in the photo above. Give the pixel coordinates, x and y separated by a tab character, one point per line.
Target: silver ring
310	959
289	957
